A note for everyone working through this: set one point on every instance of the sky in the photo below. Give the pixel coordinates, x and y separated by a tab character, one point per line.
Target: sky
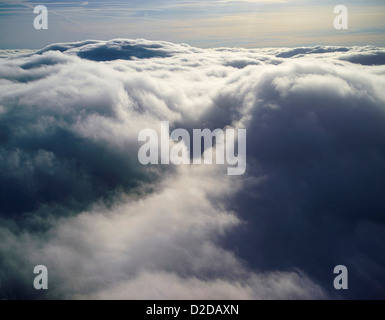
249	23
75	198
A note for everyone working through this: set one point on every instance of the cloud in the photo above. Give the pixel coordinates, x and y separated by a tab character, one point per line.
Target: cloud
250	23
74	197
168	286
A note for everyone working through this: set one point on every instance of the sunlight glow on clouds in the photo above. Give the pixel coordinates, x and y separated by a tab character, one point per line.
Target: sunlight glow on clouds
74	197
200	23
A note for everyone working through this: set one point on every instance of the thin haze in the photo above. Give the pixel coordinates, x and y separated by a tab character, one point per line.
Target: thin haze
249	23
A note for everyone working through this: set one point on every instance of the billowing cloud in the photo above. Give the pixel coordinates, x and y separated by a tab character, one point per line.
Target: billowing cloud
75	198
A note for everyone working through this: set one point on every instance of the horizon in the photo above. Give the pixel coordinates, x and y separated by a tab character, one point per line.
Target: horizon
239	157
32	50
246	24
198	47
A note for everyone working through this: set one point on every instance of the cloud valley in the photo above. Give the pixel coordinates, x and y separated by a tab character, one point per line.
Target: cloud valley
75	198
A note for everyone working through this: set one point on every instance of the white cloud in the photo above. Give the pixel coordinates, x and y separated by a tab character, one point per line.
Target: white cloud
109	226
166	286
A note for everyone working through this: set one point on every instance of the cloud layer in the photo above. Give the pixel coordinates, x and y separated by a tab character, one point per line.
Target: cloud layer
75	198
214	23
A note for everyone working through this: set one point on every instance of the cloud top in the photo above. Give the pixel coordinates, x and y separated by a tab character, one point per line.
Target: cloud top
74	197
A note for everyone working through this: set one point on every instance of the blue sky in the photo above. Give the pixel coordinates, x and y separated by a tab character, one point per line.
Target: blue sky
251	23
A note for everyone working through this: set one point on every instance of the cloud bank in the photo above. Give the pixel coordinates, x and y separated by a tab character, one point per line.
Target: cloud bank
75	198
